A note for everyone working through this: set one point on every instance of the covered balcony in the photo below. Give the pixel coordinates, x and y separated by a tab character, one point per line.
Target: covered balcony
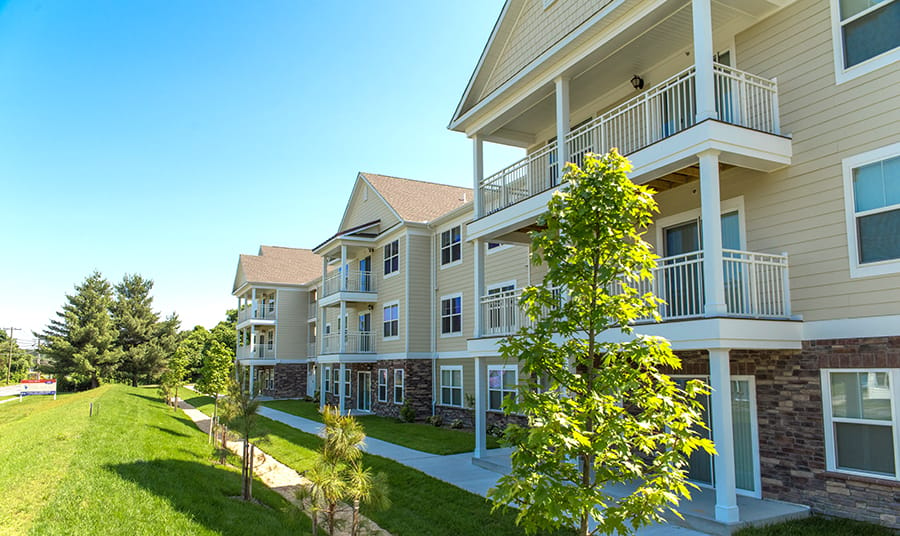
755	287
257	306
348	285
352	342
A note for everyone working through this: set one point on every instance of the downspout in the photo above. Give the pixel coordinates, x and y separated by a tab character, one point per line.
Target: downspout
432	265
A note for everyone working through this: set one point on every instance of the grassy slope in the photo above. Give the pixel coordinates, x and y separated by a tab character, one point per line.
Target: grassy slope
423	437
136	467
420	504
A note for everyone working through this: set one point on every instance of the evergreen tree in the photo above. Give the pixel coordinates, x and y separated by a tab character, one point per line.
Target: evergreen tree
81	341
136	325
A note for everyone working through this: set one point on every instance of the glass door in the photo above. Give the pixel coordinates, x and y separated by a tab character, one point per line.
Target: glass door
364	391
365	332
365	274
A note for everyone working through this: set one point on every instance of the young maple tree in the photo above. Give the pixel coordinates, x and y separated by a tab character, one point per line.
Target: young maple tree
609	433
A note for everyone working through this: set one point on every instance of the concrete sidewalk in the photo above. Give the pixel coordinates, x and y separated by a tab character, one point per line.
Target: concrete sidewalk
456	469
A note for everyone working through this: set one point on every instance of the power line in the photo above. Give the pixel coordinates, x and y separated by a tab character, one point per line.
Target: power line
9	359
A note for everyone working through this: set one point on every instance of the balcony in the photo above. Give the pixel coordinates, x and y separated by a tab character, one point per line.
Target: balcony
356	342
756	287
311	349
348	285
259	352
742	100
258	311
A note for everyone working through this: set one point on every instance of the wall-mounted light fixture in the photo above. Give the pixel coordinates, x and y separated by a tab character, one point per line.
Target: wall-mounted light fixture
637	82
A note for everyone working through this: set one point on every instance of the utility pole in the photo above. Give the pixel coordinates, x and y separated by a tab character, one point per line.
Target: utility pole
9	358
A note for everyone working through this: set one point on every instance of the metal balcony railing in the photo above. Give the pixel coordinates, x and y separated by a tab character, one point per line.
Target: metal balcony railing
348	281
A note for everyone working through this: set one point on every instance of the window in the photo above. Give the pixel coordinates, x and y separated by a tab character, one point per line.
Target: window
391	320
872	198
382	385
451	245
336	382
326	378
451	386
860	424
493	245
451	315
398	386
502	380
392	258
866	36
347	374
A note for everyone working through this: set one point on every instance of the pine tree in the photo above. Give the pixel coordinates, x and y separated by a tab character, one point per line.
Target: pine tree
81	342
136	324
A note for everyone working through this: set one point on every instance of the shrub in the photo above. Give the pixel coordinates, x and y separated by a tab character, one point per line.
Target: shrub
435	420
456	424
407	413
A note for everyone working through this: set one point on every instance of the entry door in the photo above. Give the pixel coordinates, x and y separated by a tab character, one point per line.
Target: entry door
364	391
365	332
365	274
745	436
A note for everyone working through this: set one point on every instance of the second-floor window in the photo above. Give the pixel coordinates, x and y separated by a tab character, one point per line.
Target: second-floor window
866	34
391	320
451	315
392	257
451	245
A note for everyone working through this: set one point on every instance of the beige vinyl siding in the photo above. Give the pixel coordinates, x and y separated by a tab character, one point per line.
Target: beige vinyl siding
419	318
455	279
390	289
507	264
290	329
362	210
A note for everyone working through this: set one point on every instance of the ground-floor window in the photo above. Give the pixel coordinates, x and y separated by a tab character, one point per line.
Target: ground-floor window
326	378
382	385
398	386
502	380
451	386
861	422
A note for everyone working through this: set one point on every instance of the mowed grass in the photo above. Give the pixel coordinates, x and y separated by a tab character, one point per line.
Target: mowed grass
418	436
420	504
134	467
818	525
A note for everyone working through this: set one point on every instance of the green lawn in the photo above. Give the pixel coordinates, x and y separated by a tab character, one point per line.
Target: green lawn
135	467
420	504
418	436
816	526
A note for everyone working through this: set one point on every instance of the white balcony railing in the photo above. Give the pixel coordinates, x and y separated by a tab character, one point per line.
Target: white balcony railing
756	286
662	111
311	349
261	310
258	352
348	281
356	342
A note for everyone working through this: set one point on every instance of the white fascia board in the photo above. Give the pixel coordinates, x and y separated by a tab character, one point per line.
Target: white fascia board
852	328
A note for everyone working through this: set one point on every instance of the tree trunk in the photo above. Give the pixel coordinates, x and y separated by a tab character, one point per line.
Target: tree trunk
250	472
354	527
332	508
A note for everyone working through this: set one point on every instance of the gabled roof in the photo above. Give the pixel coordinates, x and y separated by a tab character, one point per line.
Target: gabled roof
418	201
278	265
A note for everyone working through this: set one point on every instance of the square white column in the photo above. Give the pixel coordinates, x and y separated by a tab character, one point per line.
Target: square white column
562	124
723	435
711	221
701	11
478	173
480	407
478	268
342	389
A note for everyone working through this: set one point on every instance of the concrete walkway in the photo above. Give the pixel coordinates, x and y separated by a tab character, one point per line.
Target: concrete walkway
456	469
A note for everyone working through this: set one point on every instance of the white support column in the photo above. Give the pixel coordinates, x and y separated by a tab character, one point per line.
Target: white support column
562	124
342	389
479	285
324	274
480	407
711	221
344	275
250	386
253	305
343	322
323	387
703	59
478	173
723	435
252	341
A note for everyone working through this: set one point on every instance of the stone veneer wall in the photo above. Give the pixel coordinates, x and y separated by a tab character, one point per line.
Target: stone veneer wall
467	416
791	425
417	382
290	380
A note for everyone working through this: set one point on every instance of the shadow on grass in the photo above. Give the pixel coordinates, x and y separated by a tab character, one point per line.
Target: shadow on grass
170	431
207	495
146	397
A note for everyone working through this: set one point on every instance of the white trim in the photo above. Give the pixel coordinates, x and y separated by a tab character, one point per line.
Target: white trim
441	246
384	306
383	258
462	386
842	74
503	246
402	386
754	439
440	326
728	205
407	317
378	385
852	328
847	167
502	390
495	286
828	420
462	354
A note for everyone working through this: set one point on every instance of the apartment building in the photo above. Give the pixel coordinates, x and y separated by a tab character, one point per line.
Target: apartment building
275	291
771	130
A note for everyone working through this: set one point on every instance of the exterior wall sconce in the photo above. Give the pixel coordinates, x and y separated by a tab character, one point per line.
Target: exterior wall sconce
637	82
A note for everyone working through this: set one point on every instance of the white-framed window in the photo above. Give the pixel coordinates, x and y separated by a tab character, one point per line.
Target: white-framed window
336	381
398	386
347	383
451	315
392	258
326	378
391	322
872	205
862	428
382	385
452	386
493	247
866	35
451	246
502	381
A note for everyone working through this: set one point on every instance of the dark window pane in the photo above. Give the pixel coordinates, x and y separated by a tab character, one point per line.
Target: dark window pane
865	447
456	325
457	397
872	34
879	236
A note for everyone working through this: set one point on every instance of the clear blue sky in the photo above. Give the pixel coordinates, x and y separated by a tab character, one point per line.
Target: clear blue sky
165	138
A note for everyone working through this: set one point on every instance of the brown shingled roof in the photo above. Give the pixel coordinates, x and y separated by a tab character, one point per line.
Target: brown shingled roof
419	201
274	264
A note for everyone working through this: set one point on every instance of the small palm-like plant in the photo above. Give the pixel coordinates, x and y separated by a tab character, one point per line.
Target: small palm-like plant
326	489
365	487
240	413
